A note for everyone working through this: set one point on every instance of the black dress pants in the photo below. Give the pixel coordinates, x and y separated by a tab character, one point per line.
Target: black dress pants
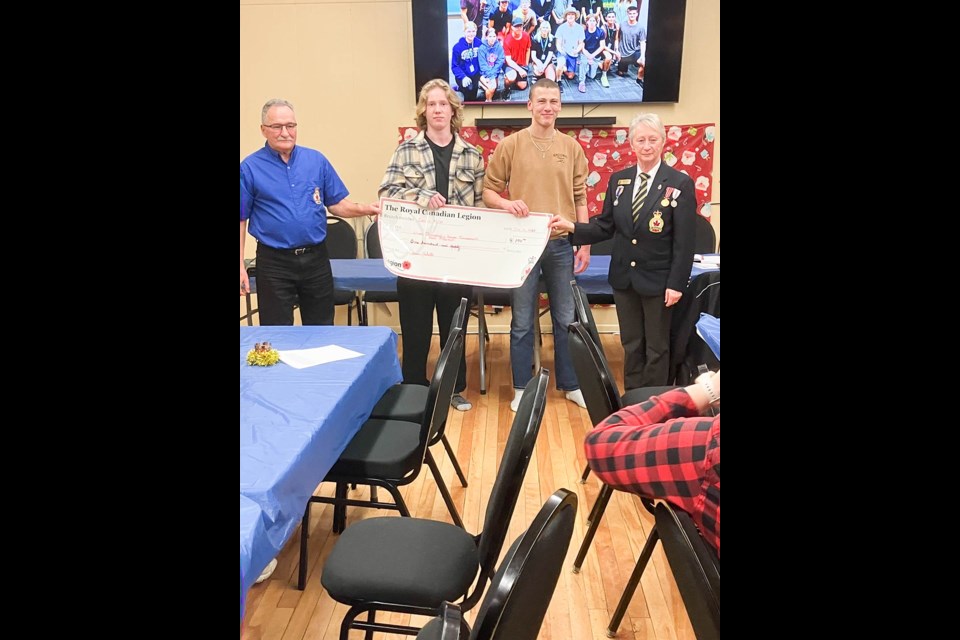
285	279
418	298
645	336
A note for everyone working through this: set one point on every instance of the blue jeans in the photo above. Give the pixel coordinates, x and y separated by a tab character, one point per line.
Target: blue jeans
556	265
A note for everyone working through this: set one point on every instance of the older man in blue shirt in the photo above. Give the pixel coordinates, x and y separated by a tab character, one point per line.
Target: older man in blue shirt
285	193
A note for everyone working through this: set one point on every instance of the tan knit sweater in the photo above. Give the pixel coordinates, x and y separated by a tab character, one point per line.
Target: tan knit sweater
554	184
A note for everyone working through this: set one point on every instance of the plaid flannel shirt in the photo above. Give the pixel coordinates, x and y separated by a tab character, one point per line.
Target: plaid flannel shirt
653	450
411	174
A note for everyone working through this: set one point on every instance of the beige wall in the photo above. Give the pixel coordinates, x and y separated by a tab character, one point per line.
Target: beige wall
350	102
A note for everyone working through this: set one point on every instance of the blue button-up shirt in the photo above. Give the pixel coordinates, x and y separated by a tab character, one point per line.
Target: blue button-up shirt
286	203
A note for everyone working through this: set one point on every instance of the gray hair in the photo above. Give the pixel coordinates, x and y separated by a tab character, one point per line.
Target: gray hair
273	102
652	120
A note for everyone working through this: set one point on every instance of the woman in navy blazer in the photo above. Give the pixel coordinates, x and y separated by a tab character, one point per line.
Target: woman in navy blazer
649	211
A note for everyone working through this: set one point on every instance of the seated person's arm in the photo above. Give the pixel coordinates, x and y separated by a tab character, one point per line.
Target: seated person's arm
617	448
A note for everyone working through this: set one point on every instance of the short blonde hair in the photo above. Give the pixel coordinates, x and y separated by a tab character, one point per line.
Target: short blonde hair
455	105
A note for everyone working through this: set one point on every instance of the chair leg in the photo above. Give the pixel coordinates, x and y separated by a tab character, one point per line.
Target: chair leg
304	532
453	460
586	474
598	508
371	618
631	587
537	342
442	486
482	335
398	499
340	509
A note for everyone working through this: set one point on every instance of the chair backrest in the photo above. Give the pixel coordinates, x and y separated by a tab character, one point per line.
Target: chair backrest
597	383
461	316
520	593
459	321
705	239
581	309
695	567
506	488
371	246
341	238
441	385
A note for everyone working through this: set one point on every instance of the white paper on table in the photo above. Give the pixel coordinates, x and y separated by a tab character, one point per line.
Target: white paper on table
705	259
466	245
303	358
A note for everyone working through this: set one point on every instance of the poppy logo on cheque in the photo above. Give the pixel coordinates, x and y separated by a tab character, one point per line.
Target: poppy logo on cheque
406	265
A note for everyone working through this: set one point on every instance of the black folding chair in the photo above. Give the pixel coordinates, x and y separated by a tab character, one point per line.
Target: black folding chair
409	401
584	316
413	565
390	454
522	588
372	250
342	244
600	393
696	568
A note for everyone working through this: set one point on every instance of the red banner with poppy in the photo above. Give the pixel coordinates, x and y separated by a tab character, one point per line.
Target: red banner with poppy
689	149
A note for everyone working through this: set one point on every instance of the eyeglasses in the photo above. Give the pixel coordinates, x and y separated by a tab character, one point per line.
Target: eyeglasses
642	141
292	126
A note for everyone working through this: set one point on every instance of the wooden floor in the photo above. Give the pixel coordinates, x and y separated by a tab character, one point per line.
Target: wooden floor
582	604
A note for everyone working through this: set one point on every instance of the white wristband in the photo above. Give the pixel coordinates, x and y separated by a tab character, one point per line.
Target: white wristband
705	382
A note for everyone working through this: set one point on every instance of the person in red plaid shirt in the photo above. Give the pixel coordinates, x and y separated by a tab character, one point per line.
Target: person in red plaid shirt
666	449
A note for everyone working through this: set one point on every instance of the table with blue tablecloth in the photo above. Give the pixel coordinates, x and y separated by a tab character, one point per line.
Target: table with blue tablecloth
371	274
295	423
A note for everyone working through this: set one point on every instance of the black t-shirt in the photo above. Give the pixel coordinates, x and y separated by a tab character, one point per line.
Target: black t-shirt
441	161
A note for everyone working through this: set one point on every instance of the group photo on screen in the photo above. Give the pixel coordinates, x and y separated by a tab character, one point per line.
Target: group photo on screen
596	50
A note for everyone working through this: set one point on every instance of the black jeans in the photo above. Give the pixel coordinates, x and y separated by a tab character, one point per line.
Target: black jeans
285	279
417	301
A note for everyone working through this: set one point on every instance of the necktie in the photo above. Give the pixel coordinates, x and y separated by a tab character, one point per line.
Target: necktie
640	196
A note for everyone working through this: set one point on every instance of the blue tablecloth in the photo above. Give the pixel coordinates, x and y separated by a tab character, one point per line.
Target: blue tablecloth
295	423
252	532
370	274
708	328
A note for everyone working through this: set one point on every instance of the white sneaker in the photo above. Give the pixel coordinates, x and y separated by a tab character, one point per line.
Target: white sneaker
577	397
515	403
460	403
267	572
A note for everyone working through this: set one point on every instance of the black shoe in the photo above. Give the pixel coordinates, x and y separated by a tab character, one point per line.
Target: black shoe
640	82
506	94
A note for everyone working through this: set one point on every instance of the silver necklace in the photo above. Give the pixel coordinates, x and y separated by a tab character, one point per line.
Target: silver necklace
542	150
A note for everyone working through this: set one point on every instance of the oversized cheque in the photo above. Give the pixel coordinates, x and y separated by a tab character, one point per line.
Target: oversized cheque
467	245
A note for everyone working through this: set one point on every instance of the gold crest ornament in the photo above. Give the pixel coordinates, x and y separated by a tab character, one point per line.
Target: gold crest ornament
656	222
316	195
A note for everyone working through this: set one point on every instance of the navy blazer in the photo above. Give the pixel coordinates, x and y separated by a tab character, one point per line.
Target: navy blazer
648	261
